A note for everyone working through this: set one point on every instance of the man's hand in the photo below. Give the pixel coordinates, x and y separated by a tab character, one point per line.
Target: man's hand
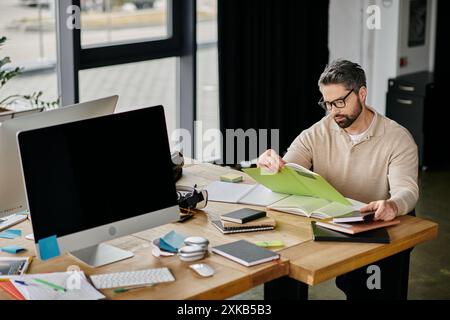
270	161
384	209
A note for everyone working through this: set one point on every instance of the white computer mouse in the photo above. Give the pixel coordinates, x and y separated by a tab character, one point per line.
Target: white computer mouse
202	269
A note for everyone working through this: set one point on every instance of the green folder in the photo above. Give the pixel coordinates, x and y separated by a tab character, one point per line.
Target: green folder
294	179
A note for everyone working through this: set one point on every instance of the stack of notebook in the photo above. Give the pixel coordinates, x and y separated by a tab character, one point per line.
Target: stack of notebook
355	227
244	220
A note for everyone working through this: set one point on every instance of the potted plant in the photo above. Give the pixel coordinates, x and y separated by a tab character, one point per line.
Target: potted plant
33	99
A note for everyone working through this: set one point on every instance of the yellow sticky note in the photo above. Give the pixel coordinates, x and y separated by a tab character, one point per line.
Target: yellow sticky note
232	177
273	243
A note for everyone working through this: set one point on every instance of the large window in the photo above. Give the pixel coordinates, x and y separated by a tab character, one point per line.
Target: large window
207	78
138	85
31	45
142	50
115	21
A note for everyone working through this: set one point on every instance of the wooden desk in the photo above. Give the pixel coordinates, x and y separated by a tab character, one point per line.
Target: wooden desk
302	259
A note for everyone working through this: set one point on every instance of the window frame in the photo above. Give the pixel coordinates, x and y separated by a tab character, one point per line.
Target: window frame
180	43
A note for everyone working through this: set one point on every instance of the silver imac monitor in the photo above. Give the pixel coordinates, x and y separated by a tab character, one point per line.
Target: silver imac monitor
11	114
90	181
12	192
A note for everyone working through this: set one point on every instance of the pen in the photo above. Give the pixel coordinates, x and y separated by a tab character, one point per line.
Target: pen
49	284
21	282
120	290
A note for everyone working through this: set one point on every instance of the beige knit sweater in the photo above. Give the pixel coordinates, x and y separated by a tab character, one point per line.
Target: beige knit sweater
382	166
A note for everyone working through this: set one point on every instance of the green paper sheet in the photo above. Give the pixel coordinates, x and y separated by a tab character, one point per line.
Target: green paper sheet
297	181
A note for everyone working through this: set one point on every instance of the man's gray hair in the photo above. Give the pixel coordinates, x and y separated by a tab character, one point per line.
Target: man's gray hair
344	72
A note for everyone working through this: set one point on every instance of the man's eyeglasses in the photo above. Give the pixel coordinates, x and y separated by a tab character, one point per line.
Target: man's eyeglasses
338	103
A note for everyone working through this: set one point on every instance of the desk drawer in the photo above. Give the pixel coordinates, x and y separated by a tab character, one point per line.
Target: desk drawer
406	88
407	110
414	83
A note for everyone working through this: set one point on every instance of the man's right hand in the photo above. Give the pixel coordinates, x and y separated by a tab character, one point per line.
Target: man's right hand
270	161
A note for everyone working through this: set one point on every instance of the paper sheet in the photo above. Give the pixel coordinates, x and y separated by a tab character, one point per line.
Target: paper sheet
262	196
228	192
78	288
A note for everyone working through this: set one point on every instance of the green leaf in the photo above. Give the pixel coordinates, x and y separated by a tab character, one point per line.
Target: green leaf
4	61
35	99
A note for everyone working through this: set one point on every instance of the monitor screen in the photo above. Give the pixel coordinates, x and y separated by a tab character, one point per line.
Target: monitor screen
94	172
12	197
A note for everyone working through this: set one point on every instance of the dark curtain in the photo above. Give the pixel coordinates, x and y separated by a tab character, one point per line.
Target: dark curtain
442	49
437	122
271	54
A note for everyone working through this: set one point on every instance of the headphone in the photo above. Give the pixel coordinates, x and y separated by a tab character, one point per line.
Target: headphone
191	198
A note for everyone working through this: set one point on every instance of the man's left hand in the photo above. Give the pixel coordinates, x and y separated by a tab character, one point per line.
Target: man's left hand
385	210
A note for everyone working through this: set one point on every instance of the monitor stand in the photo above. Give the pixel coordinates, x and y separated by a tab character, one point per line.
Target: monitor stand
101	255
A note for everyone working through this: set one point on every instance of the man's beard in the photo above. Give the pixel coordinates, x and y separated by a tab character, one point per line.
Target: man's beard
348	119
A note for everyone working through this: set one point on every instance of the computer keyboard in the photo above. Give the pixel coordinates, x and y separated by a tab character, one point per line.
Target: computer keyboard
9	221
132	278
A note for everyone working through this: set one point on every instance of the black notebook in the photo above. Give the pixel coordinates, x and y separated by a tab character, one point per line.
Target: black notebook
373	236
245	253
225	230
243	215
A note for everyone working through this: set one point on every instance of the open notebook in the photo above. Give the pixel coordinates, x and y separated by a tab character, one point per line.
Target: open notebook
315	207
294	189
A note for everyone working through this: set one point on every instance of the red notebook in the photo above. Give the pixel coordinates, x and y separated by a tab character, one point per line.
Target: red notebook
11	289
357	227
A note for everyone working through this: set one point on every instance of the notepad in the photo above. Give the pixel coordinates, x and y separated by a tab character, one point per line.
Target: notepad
355	228
226	230
245	253
261	222
243	215
373	236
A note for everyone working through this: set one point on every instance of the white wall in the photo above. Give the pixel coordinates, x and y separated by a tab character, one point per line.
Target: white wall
385	53
345	36
377	50
419	58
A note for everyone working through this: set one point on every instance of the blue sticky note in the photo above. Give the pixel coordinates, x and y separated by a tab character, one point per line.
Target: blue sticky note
172	240
14	231
48	248
166	247
8	235
13	249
